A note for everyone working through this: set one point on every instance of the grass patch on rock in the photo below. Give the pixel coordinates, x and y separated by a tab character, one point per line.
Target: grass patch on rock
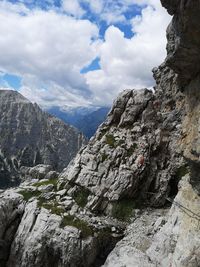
104	157
110	140
182	171
123	209
52	205
81	196
84	227
27	194
104	233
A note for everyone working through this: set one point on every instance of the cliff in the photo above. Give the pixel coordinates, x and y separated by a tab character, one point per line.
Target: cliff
30	136
136	181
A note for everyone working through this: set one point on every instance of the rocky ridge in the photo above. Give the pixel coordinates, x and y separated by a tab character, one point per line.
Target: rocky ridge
42	226
135	153
143	158
30	136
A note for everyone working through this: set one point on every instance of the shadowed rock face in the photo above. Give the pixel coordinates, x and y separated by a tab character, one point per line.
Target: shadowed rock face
30	136
184	58
183	34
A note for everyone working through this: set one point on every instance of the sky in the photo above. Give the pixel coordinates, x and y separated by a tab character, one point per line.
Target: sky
72	53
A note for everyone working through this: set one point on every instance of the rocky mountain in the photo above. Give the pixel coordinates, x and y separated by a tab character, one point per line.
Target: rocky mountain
86	120
131	197
30	136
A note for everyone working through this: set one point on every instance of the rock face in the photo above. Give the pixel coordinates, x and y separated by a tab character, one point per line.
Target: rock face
145	155
134	154
41	226
30	136
157	239
184	58
183	39
11	208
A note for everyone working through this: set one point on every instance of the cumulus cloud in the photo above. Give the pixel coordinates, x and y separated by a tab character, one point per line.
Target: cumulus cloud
53	95
109	10
49	48
73	7
127	63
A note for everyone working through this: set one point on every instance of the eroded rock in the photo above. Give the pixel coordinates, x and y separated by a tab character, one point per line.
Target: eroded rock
135	153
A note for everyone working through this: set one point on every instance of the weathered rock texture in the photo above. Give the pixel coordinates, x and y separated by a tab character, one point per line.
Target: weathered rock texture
41	226
157	239
30	136
184	58
146	154
135	153
11	210
183	35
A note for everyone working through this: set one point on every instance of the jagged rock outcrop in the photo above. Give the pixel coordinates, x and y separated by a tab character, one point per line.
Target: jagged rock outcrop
30	136
177	243
183	33
157	239
41	226
11	210
184	58
135	153
146	154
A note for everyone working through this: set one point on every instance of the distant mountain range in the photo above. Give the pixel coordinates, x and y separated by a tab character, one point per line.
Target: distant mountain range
86	120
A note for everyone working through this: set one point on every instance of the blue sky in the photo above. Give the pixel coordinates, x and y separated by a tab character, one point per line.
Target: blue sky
79	52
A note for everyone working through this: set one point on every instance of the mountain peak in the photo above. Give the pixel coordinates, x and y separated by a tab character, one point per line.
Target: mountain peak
12	95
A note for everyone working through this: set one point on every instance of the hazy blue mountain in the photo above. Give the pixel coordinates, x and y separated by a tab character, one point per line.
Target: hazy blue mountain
86	120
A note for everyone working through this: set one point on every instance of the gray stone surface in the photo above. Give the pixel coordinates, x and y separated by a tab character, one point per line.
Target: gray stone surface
30	137
135	153
11	211
37	229
157	239
146	153
183	36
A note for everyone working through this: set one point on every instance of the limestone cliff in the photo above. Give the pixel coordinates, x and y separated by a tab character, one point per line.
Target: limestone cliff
30	136
137	180
135	154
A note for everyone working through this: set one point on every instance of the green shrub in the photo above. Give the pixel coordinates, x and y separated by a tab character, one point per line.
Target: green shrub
81	196
123	209
110	140
104	157
104	233
182	171
86	229
27	194
52	206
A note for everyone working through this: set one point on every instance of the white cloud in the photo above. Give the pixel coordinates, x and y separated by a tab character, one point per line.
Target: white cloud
53	95
48	49
73	8
127	63
95	5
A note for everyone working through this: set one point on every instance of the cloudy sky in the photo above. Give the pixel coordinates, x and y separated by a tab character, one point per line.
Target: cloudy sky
80	52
